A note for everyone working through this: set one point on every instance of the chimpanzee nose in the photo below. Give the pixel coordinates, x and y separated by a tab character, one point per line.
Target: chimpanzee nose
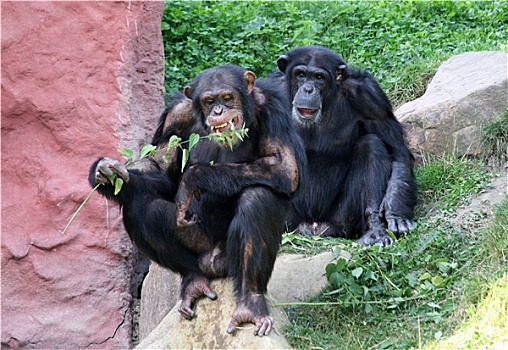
217	110
308	88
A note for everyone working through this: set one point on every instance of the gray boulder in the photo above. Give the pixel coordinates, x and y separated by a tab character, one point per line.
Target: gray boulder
208	329
467	91
294	278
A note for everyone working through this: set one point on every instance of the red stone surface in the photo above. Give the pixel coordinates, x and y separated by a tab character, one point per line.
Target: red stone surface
79	80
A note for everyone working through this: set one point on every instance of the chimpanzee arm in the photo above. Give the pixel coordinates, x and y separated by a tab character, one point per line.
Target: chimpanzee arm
278	167
136	183
177	119
364	95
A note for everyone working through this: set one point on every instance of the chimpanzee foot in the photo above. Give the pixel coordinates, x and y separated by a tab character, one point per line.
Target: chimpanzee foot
263	323
399	225
196	288
377	235
250	312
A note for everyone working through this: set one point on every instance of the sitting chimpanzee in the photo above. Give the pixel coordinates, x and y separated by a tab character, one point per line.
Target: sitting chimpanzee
359	178
225	214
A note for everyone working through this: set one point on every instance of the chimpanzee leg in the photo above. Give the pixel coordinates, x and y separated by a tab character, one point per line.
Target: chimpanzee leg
364	189
151	225
254	237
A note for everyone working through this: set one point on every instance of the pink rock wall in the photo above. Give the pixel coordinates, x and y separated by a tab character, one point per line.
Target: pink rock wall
79	80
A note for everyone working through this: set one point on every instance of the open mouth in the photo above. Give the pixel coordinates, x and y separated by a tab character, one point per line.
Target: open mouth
232	125
307	113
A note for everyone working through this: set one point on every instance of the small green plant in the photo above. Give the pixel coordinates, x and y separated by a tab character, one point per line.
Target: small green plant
449	181
401	42
495	139
226	137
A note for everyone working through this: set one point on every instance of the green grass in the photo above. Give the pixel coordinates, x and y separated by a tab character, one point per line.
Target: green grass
495	139
401	42
420	289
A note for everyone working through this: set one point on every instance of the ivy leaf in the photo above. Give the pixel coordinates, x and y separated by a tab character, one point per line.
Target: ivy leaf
425	276
341	263
146	150
112	179
357	272
193	140
330	268
126	152
118	185
174	141
185	157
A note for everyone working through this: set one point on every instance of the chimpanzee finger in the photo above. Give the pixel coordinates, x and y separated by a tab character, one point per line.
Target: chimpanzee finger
392	225
264	326
121	170
186	310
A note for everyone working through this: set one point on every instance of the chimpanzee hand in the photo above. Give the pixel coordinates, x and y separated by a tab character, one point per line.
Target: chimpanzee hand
106	167
184	199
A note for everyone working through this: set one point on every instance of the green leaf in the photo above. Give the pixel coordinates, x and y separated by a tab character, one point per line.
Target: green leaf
437	280
368	308
126	152
112	179
330	268
341	263
193	140
146	150
425	276
336	280
185	158
174	141
229	139
357	272
118	185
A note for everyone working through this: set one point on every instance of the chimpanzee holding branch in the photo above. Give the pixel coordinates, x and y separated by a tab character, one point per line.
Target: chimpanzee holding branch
225	214
359	178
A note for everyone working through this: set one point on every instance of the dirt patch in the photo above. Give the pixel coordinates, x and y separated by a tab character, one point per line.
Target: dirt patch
483	206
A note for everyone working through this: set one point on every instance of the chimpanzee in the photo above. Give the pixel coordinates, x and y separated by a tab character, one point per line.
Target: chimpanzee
359	178
225	214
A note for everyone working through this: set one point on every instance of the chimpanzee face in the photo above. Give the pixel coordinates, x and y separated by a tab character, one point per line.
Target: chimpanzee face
220	95
222	108
308	84
313	74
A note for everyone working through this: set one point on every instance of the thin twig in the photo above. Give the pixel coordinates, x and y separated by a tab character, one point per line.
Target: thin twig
79	209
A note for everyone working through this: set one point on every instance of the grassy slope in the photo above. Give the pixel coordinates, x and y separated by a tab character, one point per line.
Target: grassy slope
424	287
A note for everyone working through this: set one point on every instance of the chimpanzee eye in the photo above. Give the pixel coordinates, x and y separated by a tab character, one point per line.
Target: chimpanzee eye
300	74
227	98
208	101
320	76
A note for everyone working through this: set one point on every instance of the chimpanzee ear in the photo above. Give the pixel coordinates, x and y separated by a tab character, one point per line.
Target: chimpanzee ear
187	91
282	63
250	80
342	73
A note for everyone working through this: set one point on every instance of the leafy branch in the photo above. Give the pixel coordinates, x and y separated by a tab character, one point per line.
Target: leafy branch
226	137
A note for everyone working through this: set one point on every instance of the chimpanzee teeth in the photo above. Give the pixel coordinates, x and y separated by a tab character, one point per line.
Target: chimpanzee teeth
232	124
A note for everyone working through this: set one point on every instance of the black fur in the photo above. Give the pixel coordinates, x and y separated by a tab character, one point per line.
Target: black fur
243	197
359	177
